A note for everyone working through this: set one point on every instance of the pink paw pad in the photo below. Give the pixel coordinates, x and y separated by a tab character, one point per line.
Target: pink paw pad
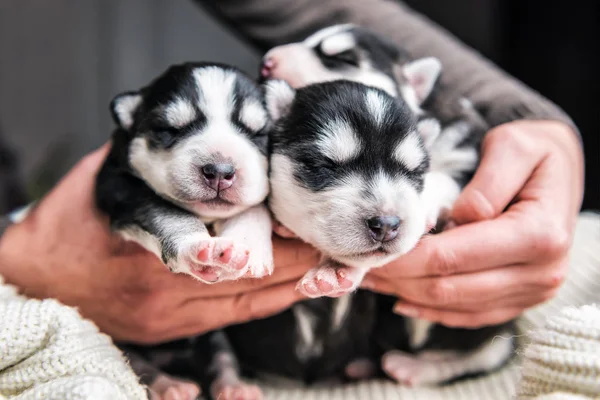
167	388
327	281
240	391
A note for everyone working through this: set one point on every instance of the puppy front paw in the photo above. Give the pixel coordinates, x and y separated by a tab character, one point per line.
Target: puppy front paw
236	391
212	259
331	280
168	388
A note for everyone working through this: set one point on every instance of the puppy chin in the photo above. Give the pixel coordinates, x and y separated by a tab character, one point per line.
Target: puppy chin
375	260
215	209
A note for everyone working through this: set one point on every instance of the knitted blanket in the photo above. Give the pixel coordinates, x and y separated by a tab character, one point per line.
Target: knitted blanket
47	351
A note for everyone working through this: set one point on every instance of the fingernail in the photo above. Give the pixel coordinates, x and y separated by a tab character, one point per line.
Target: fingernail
406	310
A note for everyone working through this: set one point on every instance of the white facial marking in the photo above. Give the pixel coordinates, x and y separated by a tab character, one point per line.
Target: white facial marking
337	44
317	37
376	106
215	88
338	141
253	115
279	97
180	113
410	152
125	107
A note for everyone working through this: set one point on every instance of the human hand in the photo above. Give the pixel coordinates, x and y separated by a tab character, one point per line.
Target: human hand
64	250
515	223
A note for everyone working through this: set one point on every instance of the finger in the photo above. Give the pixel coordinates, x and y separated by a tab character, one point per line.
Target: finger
461	319
466	248
467	290
233	309
508	159
528	298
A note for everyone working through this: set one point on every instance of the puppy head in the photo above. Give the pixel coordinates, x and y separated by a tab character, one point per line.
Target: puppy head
347	170
197	135
357	54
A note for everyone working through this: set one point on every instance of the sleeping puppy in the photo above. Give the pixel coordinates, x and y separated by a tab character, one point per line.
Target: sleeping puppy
354	53
190	150
190	153
452	141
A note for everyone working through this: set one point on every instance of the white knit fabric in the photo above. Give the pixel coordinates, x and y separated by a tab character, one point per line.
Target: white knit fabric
564	355
47	351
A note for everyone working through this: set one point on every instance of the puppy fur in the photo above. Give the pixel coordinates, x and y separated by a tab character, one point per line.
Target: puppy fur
452	130
190	153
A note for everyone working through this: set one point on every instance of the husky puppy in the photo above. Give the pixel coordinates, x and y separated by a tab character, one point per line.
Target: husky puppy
190	153
354	53
190	150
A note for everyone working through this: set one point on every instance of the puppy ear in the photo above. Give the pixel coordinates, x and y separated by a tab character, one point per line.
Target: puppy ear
429	129
123	107
422	75
279	96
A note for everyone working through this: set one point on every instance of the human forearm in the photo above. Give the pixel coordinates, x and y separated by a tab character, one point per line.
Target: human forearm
501	98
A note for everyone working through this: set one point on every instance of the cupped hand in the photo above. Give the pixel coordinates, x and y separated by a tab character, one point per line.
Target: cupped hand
64	250
515	223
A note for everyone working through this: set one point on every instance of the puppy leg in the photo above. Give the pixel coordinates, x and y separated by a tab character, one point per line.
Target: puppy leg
175	235
160	385
436	367
439	194
220	371
330	279
252	230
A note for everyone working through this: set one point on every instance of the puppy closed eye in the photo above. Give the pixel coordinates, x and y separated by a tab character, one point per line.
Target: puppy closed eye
164	138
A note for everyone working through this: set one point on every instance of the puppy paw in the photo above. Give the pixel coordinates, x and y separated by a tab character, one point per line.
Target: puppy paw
214	259
260	264
331	280
361	369
168	388
410	370
237	391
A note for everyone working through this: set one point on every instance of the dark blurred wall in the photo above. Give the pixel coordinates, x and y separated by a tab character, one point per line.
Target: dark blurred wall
553	46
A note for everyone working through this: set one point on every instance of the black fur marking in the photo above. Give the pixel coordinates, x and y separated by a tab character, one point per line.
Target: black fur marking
317	105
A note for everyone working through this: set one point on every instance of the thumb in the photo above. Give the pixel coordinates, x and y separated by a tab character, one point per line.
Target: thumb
507	161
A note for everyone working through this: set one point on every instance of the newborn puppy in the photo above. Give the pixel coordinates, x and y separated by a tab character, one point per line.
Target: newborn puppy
189	153
354	53
452	131
347	172
190	149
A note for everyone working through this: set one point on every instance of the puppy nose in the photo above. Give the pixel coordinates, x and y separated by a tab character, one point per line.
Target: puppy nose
267	67
384	228
219	176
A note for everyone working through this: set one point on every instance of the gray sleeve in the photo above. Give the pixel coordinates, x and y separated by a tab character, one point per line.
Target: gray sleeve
500	97
5	222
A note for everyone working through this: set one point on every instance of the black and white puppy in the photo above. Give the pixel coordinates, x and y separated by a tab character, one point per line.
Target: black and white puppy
190	153
190	150
350	52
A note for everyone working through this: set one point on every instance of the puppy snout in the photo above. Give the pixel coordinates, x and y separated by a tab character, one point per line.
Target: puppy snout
219	176
384	228
267	66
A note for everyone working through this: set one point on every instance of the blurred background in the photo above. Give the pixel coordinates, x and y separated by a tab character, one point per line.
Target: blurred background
61	62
